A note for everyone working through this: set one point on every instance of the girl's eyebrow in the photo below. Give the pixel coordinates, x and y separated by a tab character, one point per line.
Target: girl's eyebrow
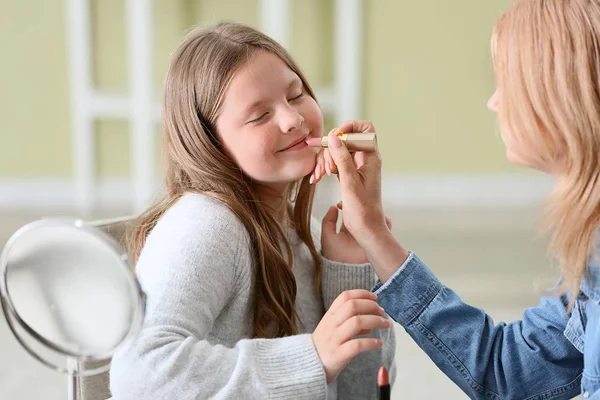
254	105
260	103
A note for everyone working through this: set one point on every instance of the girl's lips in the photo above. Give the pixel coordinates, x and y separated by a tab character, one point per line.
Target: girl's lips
314	142
296	145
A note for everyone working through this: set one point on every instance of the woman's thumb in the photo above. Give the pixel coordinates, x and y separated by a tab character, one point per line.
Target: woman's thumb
342	158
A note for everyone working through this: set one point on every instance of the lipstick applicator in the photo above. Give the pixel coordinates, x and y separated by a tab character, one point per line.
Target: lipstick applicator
354	141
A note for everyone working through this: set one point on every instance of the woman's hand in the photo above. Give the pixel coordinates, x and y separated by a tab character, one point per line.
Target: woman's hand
341	246
360	186
354	312
364	210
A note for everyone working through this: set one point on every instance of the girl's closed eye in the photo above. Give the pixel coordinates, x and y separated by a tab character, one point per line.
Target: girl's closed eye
262	116
259	119
297	97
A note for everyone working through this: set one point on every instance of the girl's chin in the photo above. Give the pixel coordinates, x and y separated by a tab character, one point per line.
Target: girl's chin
305	172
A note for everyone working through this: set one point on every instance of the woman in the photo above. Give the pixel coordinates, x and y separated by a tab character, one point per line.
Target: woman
547	62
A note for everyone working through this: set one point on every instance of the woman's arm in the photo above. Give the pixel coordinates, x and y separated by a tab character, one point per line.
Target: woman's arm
526	358
530	358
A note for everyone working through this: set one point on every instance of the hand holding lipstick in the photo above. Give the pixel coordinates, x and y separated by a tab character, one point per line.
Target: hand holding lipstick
362	139
364	218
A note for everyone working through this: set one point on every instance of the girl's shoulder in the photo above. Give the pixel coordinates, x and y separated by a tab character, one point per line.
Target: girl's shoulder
206	208
197	218
197	240
197	235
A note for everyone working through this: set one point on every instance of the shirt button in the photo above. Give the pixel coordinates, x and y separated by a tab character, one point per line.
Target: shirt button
586	394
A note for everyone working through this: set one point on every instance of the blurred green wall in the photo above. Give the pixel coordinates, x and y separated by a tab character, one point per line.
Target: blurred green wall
427	77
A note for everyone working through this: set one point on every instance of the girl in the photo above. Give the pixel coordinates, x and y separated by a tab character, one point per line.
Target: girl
547	62
240	302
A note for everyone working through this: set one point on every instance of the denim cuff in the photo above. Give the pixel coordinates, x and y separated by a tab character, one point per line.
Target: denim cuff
408	292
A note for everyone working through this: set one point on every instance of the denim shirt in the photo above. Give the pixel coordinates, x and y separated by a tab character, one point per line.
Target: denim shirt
549	354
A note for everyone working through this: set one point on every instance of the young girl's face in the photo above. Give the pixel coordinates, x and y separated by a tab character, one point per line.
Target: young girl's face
265	117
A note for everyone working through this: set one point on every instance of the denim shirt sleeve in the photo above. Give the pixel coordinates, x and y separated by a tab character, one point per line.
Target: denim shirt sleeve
527	359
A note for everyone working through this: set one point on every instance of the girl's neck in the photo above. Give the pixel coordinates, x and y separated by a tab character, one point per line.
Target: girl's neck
275	197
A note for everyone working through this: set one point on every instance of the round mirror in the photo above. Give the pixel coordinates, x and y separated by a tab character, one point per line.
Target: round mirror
69	294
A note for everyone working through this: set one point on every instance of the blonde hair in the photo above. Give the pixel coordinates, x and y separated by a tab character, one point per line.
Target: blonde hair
547	60
200	71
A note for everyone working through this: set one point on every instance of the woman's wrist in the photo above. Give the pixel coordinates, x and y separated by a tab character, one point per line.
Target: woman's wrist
385	252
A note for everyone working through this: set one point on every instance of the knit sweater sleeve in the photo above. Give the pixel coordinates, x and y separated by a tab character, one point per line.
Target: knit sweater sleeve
359	379
193	262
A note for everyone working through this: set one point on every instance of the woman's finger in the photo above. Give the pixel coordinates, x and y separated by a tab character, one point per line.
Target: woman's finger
332	167
359	158
345	164
355	126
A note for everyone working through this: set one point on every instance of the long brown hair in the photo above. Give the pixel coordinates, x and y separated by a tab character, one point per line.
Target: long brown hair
547	61
200	71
